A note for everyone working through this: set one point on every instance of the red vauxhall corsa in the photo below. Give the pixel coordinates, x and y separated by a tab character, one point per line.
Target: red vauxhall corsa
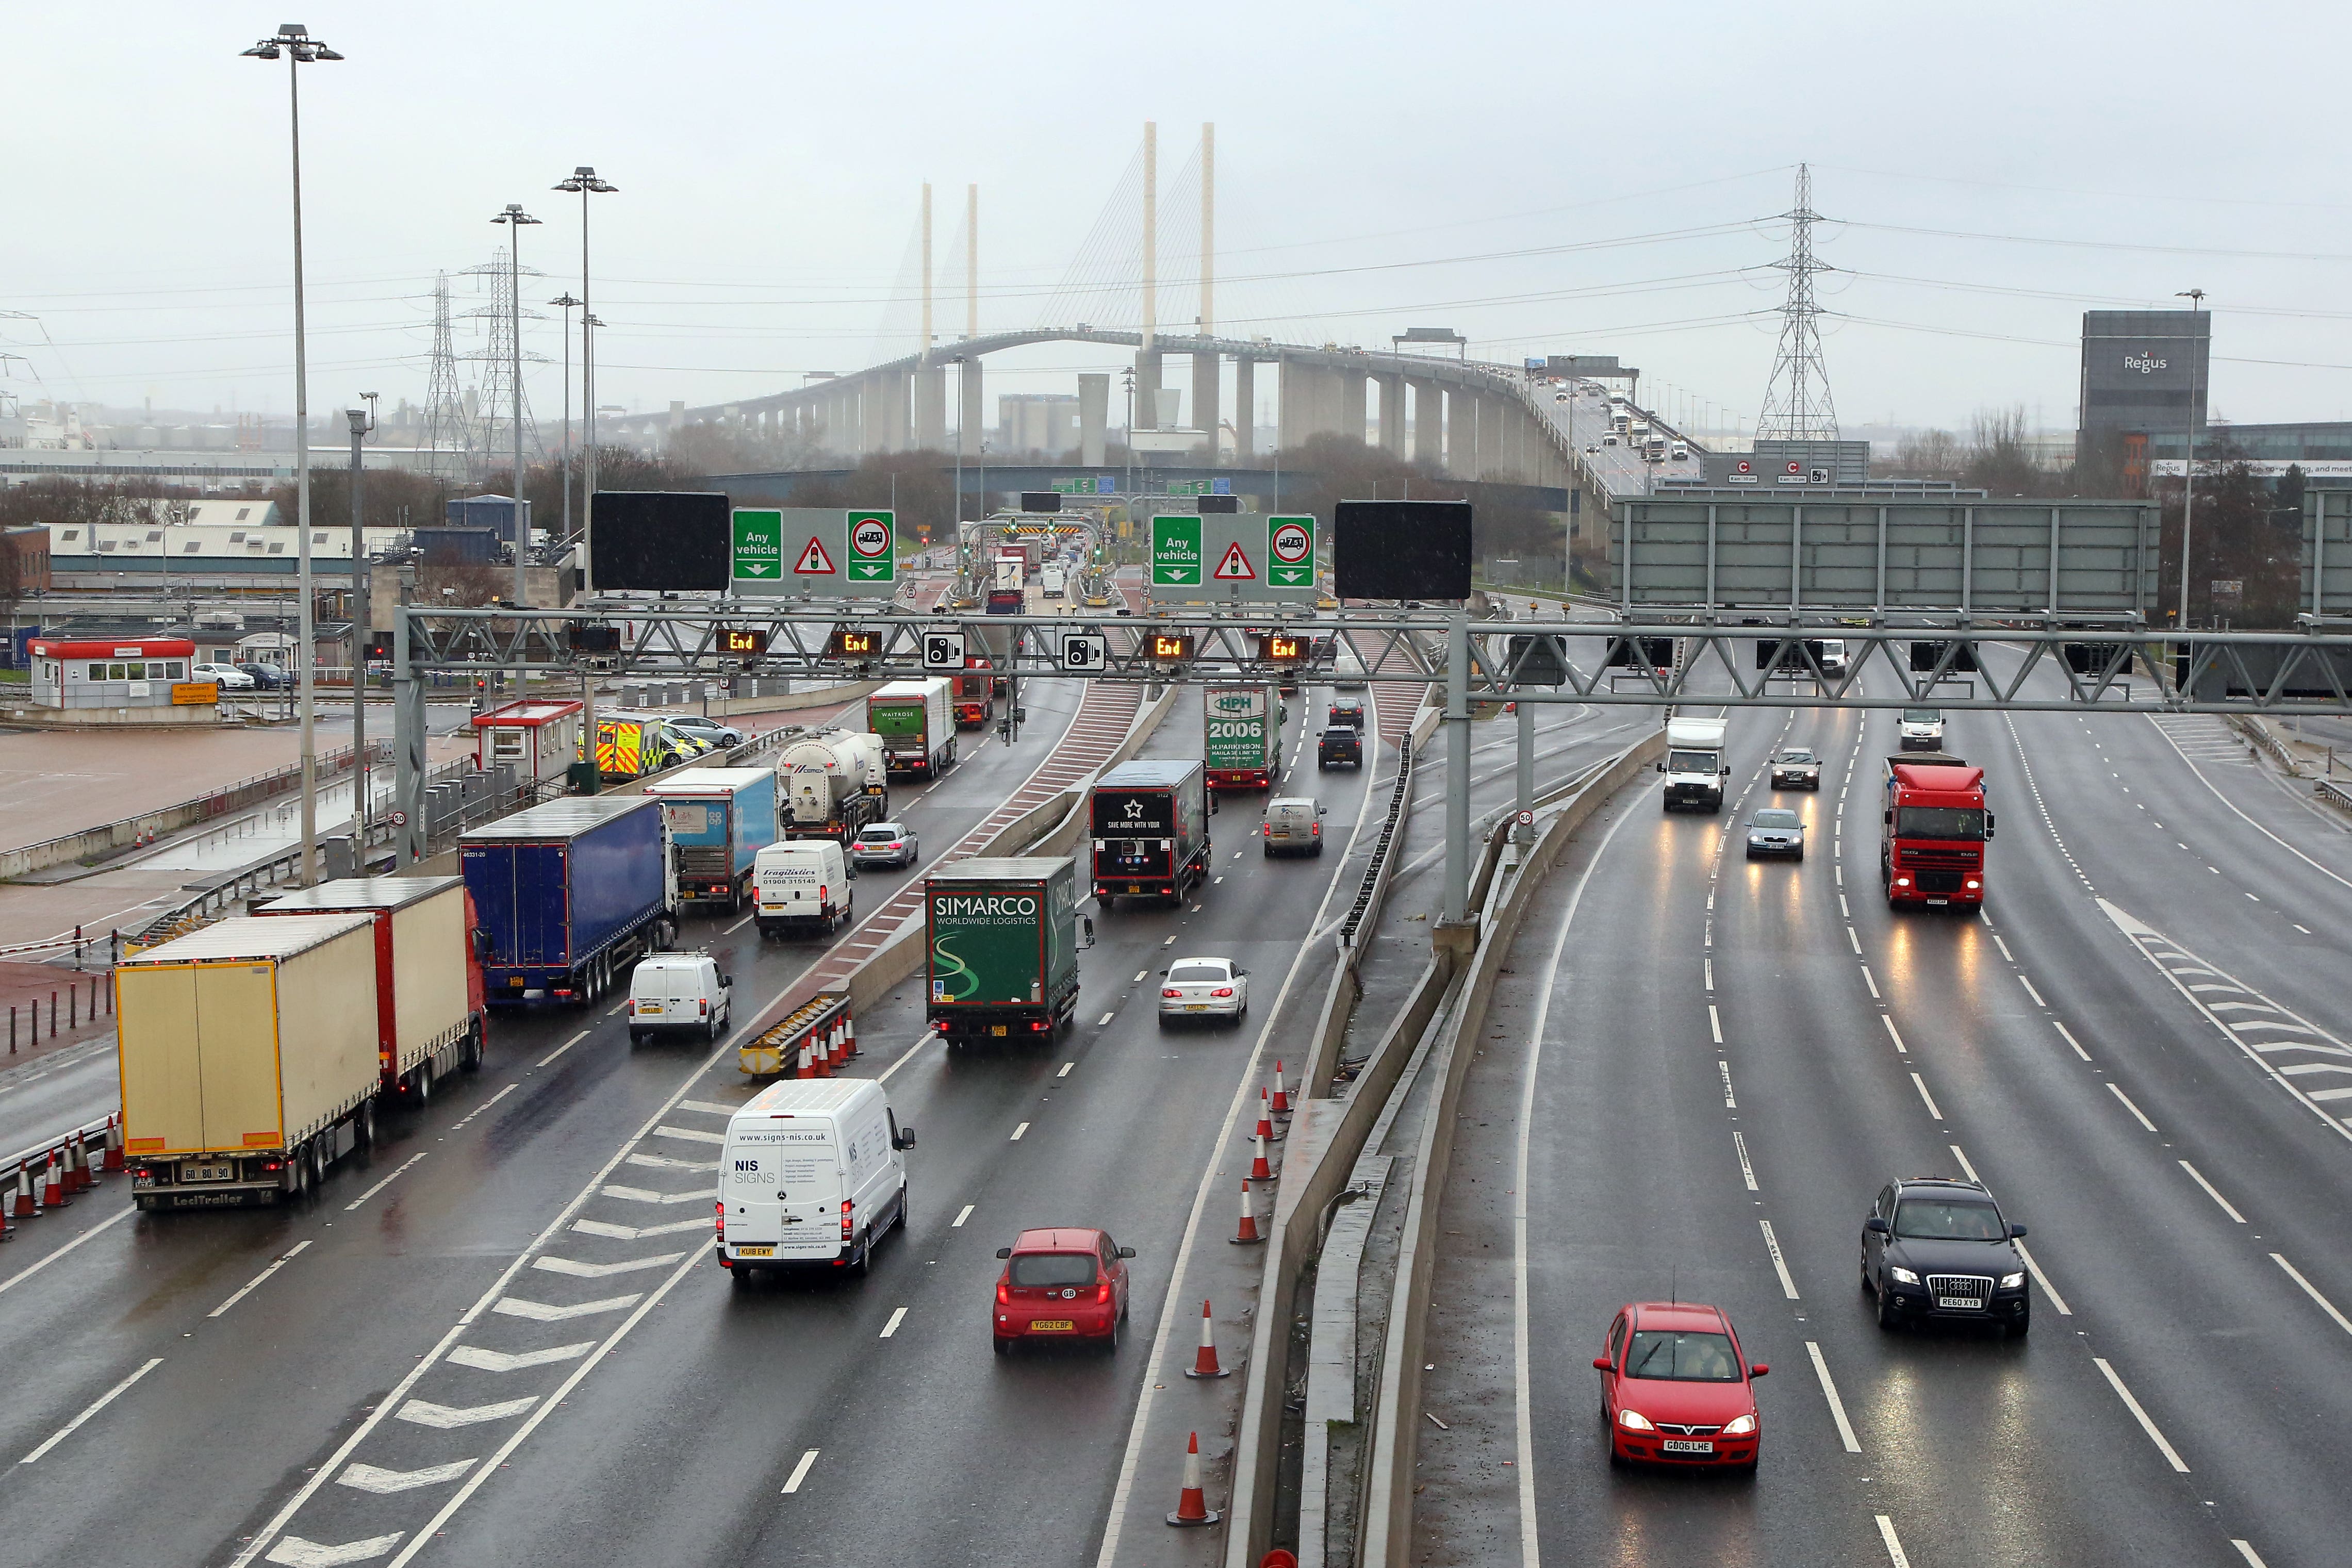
1062	1283
1675	1389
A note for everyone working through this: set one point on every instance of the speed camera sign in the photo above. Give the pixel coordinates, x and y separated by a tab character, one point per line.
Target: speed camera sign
943	650
1083	651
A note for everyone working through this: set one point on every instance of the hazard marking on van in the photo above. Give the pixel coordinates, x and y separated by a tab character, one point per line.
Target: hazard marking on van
814	561
1235	566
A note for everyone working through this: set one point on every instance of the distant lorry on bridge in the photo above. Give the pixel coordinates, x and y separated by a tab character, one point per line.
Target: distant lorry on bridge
1002	945
833	783
1694	763
1932	833
1241	736
569	894
249	1058
720	819
1150	824
918	730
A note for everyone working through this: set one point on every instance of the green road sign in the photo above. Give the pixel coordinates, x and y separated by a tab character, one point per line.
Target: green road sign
759	545
1290	552
873	546
1176	552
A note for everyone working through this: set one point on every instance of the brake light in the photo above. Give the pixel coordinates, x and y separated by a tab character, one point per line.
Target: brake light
1102	1293
822	893
1170	991
722	1207
1223	991
848	1222
632	1006
1004	1293
703	1006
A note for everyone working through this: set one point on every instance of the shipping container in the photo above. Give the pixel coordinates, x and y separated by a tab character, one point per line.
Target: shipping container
431	1019
720	819
248	1056
917	725
569	895
1150	831
1002	947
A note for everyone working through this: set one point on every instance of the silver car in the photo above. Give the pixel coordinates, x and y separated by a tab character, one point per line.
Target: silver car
1204	988
1776	831
885	844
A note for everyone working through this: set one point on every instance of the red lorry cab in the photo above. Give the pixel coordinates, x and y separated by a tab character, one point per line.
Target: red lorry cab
1933	831
974	696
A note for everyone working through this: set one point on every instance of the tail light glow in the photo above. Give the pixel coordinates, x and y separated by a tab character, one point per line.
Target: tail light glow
1223	991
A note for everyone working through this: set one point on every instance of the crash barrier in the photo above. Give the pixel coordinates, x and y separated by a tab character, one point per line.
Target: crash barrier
2261	735
50	1175
813	1041
1328	1137
1386	846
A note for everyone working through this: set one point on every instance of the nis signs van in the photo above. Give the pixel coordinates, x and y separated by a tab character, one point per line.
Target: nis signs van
813	1173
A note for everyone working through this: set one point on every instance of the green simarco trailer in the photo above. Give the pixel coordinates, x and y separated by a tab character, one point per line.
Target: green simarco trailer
1002	947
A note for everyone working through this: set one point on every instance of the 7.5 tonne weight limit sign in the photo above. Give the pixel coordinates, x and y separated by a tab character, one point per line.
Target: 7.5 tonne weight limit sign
1231	558
814	552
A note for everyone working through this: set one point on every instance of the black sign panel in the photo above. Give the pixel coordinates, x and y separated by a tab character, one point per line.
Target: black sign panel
595	639
1923	657
1041	500
1210	505
1536	661
1135	813
1401	549
660	541
1652	654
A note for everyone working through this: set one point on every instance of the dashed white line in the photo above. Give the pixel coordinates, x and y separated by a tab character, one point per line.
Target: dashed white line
1830	1392
1893	1034
1710	972
1893	1544
386	1181
1728	1103
2137	1115
1921	1084
2247	1551
2004	949
892	1326
1715	1022
1779	1264
2032	992
1066	1070
1139	975
1873	984
101	1403
800	1473
1104	1020
2042	1280
1018	1131
283	1258
1746	1171
2070	1039
1849	937
2313	1291
560	1049
485	1105
2171	1455
962	1215
2198	1178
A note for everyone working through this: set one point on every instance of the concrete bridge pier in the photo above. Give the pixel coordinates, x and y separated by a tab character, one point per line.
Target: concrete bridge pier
930	388
1147	389
1094	417
1428	423
1245	410
1391	411
971	417
1205	398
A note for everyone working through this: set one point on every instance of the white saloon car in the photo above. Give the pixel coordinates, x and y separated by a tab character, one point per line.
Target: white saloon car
1203	989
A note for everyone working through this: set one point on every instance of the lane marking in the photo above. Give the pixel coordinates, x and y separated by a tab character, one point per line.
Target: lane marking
539	1313
2249	1554
1139	975
1893	1544
560	1049
2070	1039
1728	1103
95	1405
1830	1392
2042	1280
1017	1132
1966	1169
387	1181
387	1483
1104	1020
1893	1034
741	924
482	1360
2137	1116
2241	816
1746	1171
2313	1291
1921	1084
296	1552
449	1418
1779	1265
1715	1022
1170	942
1849	937
26	1272
1872	983
2032	992
1066	1070
1709	964
2198	1178
283	1258
485	1105
2004	949
962	1215
906	1056
2171	1455
800	1473
892	1326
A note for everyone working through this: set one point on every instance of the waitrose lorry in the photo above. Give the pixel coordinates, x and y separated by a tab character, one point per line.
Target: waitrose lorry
1003	944
720	819
1241	736
248	1056
431	1017
917	725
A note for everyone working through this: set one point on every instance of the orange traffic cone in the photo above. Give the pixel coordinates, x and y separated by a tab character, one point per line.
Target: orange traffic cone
1259	1169
1204	1364
113	1145
1265	1118
1281	1094
78	1177
53	1184
1193	1504
24	1206
1248	1236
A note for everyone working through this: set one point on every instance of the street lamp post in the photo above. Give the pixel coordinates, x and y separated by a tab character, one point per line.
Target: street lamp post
363	420
294	43
2196	297
514	217
584	180
567	302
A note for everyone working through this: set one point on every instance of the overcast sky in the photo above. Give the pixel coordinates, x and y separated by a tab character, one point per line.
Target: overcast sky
1542	177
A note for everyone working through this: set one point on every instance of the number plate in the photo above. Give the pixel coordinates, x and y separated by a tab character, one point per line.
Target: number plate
647	1009
1135	887
1051	1325
1966	1303
1686	1445
1000	1029
207	1173
1196	1007
755	1251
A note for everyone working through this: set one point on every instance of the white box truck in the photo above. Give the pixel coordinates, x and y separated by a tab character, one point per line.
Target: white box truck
248	1054
814	1172
1694	763
800	885
916	721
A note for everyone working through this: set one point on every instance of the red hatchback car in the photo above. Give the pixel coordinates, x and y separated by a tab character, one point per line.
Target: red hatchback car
1675	1389
1064	1283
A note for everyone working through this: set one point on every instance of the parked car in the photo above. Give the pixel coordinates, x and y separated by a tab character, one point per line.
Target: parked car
1203	989
708	730
268	677
1063	1282
885	844
228	677
1936	1247
1676	1389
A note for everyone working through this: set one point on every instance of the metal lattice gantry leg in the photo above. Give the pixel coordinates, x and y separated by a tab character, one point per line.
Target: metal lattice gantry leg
408	733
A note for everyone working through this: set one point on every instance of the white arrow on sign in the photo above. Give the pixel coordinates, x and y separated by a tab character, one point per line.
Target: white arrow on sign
943	650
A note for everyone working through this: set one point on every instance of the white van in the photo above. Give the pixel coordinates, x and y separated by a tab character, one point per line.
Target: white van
802	884
814	1172
1051	581
671	993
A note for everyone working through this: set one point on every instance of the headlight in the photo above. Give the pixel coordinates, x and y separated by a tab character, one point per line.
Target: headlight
1635	1421
2011	1282
1903	1276
1739	1426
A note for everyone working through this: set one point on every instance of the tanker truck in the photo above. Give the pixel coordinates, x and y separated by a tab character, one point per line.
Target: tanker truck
832	784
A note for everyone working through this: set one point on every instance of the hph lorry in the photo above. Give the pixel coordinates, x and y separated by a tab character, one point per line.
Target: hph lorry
720	819
1241	736
569	894
1002	947
1694	763
1150	824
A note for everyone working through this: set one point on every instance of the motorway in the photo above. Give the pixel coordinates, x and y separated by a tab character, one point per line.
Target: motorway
2132	1047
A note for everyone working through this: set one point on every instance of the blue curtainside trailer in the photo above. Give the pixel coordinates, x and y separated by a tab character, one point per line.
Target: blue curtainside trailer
569	895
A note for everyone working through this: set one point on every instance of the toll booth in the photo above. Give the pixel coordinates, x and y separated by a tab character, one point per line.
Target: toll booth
540	738
137	672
